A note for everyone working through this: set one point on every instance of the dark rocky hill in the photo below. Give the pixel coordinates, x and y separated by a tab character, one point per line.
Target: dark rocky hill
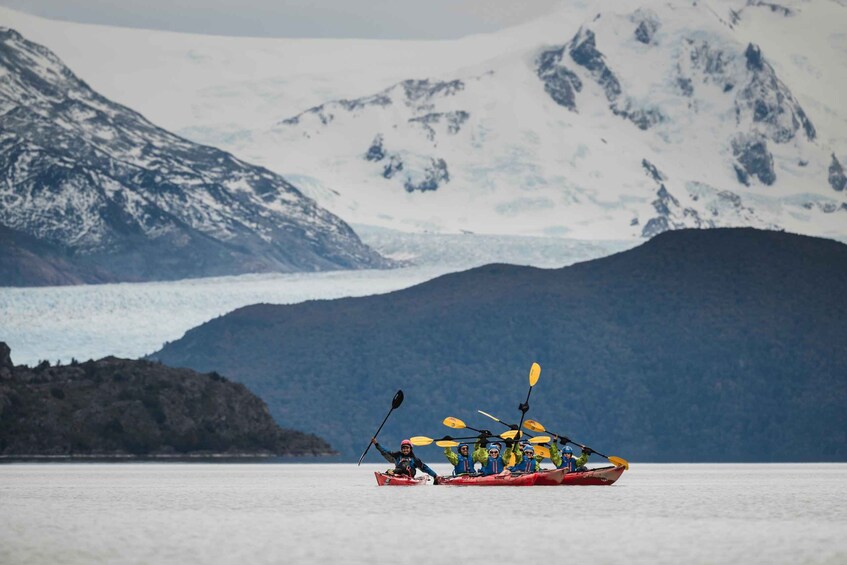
700	345
118	407
94	192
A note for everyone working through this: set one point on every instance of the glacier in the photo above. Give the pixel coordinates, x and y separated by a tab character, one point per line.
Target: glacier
134	319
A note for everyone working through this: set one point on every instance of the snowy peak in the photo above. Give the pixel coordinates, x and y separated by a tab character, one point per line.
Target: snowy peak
96	179
551	139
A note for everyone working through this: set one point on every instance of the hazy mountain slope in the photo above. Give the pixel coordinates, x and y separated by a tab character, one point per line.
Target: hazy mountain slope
704	345
130	201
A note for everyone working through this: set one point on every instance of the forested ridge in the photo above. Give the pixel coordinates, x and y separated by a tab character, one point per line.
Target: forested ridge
700	345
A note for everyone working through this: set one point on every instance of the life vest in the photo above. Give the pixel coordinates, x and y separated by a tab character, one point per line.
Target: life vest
493	466
464	466
568	463
527	465
405	465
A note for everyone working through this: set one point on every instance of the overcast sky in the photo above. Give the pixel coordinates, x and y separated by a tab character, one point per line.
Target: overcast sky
382	19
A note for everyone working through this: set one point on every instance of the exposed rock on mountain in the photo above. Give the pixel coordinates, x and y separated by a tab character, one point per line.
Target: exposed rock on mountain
773	107
417	95
583	50
452	122
376	152
121	199
117	407
837	178
434	176
559	82
753	160
648	25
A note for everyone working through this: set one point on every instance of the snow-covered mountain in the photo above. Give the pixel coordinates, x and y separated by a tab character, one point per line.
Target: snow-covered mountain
96	187
662	117
593	122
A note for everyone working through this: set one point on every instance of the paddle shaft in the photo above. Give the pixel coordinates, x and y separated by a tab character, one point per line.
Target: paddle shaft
395	403
524	408
451	438
376	434
568	440
510	426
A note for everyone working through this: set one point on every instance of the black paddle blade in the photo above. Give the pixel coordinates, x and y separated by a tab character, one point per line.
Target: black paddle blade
398	400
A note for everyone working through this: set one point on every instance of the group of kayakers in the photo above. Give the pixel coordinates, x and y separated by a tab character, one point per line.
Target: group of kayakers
490	456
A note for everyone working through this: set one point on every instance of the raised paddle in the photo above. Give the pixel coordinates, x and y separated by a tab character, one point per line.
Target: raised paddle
512	426
457	424
534	374
395	403
534	426
423	440
537	439
542	451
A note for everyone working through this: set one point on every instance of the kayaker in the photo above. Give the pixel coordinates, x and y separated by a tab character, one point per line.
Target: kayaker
463	462
526	461
405	461
565	459
492	462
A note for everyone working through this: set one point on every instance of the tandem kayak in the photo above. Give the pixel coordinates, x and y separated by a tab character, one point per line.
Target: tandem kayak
384	479
598	476
490	481
549	478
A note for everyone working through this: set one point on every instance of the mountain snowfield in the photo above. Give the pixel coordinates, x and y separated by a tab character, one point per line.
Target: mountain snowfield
591	122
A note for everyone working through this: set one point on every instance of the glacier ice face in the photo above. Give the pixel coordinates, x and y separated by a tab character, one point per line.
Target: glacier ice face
134	319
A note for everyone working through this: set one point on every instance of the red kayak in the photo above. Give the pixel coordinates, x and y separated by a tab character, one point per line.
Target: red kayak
490	480
550	478
599	476
386	480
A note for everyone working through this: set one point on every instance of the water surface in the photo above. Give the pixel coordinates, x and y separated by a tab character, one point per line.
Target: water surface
307	513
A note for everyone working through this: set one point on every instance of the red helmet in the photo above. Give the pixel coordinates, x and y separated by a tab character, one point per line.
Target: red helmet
405	442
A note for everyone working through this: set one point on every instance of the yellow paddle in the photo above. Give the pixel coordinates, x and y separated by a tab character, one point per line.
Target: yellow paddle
534	374
534	426
424	440
542	451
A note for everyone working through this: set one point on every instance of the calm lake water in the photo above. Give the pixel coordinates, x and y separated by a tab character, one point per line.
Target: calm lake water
306	513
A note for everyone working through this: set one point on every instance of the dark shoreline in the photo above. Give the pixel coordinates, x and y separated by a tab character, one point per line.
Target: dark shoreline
199	458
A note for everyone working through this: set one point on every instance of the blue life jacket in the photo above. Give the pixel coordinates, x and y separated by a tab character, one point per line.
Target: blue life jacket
464	466
527	465
494	466
569	464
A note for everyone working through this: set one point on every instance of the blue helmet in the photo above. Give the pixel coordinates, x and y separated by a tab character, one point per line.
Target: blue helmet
461	445
529	449
567	449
